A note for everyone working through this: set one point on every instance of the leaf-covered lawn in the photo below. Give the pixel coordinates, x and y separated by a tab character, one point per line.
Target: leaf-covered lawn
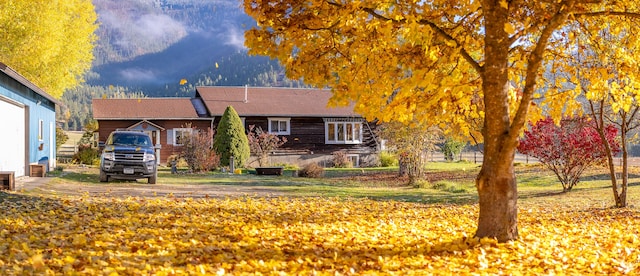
176	236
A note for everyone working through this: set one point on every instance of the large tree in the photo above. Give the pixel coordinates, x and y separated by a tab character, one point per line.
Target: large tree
607	75
436	61
49	42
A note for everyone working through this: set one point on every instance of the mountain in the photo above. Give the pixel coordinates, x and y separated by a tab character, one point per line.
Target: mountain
150	44
190	55
146	48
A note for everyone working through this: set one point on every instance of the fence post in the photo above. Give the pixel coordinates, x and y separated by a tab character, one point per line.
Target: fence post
232	165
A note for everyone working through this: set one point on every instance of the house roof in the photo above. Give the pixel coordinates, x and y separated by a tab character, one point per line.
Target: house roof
271	101
24	81
145	122
144	108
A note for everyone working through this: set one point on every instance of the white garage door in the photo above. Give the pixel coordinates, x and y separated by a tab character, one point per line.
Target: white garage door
12	141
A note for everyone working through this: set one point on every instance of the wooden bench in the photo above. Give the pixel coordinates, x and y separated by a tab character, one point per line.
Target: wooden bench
269	170
8	181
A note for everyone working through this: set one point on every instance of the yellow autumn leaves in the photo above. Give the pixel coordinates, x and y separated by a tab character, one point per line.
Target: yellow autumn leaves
326	236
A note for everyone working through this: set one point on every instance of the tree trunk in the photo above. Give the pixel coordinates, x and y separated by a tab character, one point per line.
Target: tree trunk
497	191
496	182
621	199
611	163
403	165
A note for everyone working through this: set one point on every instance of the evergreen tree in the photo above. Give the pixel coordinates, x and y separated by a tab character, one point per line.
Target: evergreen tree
231	139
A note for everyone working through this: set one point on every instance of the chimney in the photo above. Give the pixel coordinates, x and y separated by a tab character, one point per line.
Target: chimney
246	87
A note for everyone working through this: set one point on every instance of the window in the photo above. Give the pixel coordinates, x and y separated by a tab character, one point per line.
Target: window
354	159
41	130
279	126
179	134
343	131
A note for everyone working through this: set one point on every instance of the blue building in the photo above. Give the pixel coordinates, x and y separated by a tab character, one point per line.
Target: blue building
27	124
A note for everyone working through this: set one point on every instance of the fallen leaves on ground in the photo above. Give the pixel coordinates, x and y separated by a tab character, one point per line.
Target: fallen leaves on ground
178	236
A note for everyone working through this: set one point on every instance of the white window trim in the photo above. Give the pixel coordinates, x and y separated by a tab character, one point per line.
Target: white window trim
175	136
344	121
40	130
288	120
355	160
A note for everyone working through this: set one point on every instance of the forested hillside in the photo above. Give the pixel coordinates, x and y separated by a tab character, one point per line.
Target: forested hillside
76	111
147	47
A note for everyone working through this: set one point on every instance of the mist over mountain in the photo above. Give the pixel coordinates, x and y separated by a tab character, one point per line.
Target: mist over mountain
150	45
193	53
146	47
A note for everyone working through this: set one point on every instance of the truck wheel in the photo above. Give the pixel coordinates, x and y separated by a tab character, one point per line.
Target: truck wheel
152	180
103	176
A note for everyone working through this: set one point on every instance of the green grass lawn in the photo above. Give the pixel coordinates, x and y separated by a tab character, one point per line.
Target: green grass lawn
445	183
74	137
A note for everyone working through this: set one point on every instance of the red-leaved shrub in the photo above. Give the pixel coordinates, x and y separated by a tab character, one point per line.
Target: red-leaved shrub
569	148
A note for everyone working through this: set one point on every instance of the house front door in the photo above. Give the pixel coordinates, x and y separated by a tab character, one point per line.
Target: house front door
154	134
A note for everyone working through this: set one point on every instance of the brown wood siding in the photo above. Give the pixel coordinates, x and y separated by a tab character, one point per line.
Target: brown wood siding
167	148
307	133
108	126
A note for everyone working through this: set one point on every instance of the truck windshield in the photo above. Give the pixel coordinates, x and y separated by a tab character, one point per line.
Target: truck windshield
137	140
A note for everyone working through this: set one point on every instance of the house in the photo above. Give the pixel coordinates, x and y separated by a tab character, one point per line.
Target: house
313	130
164	119
28	124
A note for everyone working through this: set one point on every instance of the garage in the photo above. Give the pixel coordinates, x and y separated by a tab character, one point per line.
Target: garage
12	140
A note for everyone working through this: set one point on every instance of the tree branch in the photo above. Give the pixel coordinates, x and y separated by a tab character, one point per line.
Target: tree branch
534	63
607	13
438	30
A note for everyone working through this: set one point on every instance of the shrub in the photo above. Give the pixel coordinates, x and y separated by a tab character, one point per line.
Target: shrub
198	153
180	162
410	143
262	143
86	155
61	137
341	160
312	170
569	148
452	148
388	159
421	184
231	140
